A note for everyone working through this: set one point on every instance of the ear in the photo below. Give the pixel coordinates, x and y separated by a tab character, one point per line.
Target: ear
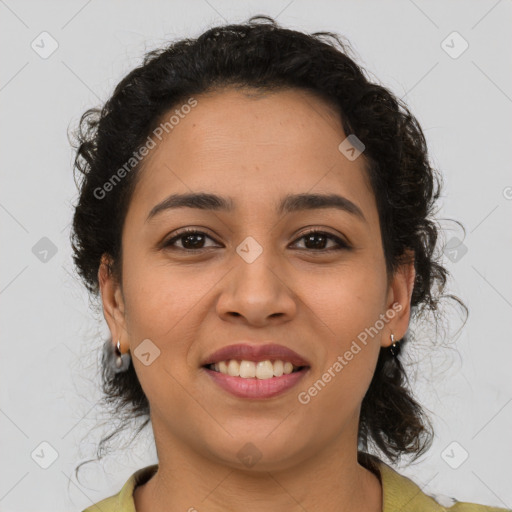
399	299
113	303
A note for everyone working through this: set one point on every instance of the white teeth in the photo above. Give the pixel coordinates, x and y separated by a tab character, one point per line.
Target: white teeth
234	368
264	370
278	368
249	369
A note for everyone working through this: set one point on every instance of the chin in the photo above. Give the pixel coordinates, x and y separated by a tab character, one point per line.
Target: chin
260	453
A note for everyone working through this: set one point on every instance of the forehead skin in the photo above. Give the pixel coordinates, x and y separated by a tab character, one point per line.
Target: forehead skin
256	148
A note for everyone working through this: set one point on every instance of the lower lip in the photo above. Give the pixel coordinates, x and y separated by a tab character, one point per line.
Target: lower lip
256	388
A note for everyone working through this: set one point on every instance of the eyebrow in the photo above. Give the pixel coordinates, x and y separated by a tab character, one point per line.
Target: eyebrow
288	204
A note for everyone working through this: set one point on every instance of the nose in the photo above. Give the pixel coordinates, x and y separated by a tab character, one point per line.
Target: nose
258	292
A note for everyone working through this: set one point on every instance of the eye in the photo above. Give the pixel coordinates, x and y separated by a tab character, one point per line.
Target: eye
319	238
193	240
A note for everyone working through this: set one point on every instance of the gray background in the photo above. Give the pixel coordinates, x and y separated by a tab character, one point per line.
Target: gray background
50	337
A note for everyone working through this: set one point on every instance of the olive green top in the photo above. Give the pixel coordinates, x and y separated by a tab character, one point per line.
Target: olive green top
400	494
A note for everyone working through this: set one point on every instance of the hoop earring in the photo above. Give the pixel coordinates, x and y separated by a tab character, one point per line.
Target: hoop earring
394	349
114	359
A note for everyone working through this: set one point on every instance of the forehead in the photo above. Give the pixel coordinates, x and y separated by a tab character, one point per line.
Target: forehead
232	120
254	147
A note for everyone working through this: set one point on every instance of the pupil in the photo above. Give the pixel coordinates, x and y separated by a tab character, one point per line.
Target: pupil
309	238
190	237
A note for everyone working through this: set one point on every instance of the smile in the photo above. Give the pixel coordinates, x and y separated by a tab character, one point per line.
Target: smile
257	380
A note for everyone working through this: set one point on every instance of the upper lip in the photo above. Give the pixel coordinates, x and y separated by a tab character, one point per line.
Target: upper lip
244	351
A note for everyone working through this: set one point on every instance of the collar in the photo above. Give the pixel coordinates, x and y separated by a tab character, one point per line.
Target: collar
399	492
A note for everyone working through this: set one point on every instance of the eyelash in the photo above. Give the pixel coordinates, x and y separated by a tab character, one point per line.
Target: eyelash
341	244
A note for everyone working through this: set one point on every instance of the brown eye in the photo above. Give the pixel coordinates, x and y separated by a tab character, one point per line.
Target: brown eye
191	240
316	241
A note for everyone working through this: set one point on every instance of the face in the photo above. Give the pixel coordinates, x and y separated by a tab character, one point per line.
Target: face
252	275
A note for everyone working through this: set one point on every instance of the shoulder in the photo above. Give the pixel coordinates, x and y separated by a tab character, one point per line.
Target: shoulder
123	501
452	505
110	504
462	506
401	493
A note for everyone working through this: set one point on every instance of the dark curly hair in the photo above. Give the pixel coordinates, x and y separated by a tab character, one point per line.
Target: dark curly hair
264	56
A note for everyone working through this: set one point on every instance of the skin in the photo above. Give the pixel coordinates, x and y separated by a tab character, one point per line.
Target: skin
255	148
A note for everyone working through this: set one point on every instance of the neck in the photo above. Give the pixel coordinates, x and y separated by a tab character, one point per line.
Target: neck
331	480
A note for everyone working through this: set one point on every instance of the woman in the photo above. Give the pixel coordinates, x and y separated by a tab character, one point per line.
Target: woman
254	214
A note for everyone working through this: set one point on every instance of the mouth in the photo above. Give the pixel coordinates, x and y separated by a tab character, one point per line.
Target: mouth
255	371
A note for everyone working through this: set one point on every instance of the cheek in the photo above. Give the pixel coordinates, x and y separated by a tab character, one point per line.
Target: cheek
347	307
160	306
166	305
159	296
347	300
346	316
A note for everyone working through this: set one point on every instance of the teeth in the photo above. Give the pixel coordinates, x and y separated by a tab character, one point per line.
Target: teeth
264	370
247	369
278	368
234	368
250	369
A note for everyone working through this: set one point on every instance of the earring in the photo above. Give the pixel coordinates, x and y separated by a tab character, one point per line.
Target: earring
116	361
394	349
